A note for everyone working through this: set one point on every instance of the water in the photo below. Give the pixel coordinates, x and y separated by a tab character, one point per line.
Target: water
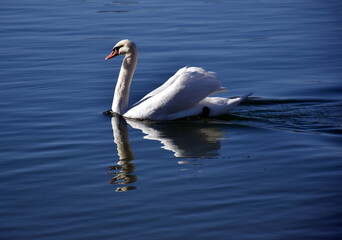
271	169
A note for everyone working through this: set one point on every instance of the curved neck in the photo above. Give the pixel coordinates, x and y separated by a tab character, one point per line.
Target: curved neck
121	93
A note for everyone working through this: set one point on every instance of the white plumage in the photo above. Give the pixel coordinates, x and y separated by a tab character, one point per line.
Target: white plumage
184	94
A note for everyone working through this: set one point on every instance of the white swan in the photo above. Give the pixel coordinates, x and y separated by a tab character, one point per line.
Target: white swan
184	94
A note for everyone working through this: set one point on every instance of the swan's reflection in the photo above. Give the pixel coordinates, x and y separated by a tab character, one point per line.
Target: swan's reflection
186	139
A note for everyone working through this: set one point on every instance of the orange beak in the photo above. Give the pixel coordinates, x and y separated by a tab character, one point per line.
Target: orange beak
112	54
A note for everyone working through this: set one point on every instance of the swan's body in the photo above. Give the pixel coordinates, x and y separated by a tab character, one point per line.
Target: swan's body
184	94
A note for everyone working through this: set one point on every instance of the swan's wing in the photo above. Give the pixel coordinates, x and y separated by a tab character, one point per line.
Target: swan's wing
167	83
185	89
185	71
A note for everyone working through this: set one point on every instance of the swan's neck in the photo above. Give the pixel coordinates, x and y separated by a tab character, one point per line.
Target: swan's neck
121	93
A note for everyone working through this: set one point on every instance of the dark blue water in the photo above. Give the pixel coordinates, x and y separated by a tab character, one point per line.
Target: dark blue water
270	169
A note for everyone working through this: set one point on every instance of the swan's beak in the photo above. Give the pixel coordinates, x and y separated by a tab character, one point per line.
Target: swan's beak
112	54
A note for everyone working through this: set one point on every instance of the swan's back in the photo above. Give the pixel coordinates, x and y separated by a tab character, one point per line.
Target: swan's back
186	88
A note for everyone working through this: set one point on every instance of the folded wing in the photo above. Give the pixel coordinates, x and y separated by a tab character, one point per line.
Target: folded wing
182	91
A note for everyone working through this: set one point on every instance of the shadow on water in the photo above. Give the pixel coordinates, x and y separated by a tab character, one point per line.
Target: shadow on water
201	138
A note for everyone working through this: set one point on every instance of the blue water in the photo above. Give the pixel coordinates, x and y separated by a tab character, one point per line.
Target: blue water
270	169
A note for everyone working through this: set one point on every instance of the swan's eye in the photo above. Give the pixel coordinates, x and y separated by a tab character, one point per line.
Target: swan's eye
117	48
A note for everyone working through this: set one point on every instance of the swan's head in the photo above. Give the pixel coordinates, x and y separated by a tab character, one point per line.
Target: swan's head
124	47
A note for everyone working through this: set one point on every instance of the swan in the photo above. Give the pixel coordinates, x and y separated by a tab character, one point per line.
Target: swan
185	94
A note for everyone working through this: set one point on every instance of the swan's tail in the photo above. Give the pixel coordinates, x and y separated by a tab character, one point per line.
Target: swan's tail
247	95
216	106
233	102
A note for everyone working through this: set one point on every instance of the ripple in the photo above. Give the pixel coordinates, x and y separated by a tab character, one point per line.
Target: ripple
122	3
113	11
297	115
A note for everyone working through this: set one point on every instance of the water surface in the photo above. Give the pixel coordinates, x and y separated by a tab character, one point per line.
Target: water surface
270	169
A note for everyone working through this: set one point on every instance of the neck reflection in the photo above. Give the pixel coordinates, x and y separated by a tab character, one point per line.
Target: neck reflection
122	171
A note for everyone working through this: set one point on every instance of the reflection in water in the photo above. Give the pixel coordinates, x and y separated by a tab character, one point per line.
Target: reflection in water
186	139
125	166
